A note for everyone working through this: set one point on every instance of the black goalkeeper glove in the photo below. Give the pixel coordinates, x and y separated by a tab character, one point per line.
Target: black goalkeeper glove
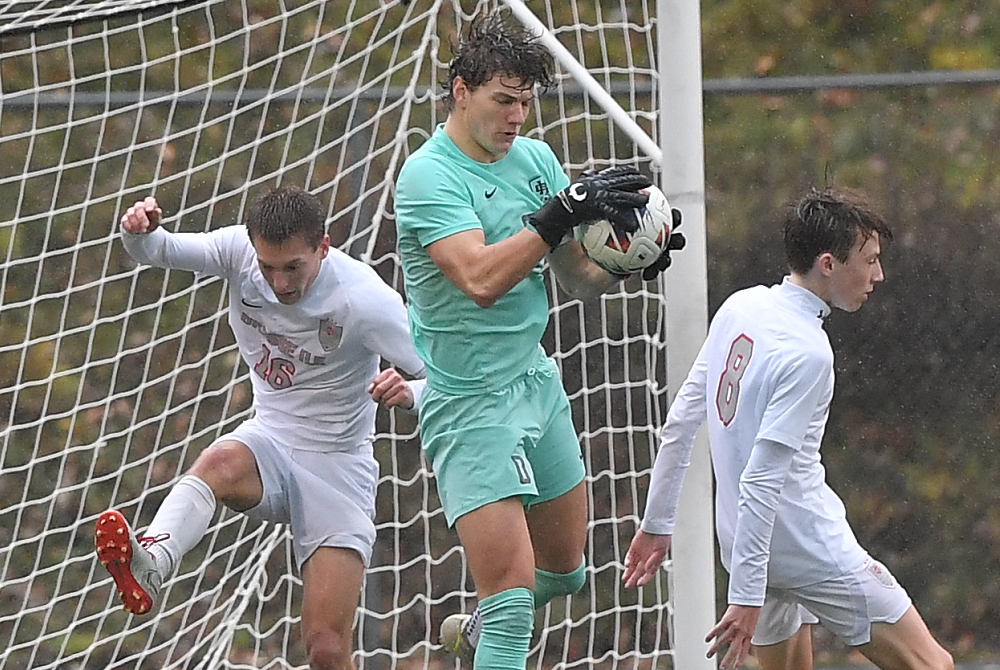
675	243
610	194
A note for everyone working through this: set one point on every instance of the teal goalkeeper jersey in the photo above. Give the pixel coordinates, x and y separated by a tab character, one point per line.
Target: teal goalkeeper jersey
468	349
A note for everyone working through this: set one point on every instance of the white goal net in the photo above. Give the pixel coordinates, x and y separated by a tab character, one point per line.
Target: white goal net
113	377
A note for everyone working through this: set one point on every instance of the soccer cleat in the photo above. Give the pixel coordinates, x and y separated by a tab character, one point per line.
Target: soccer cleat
129	561
460	635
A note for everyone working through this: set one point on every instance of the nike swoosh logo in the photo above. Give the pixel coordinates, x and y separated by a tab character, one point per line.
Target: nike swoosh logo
244	301
489	194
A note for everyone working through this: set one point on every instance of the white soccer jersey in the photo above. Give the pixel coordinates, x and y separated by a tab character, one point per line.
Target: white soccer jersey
765	372
312	361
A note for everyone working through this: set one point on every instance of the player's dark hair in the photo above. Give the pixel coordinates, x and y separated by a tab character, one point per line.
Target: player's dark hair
498	44
286	212
828	220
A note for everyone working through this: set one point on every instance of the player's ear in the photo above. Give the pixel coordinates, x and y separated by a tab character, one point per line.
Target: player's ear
459	90
824	263
324	246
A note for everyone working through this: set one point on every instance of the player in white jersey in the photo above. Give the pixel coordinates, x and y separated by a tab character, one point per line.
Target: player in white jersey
764	381
312	324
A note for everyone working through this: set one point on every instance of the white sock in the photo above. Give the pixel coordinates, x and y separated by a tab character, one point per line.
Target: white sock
181	522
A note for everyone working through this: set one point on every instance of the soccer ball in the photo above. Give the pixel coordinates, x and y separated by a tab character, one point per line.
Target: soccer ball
623	253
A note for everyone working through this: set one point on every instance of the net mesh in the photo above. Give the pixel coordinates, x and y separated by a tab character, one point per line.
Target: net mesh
114	377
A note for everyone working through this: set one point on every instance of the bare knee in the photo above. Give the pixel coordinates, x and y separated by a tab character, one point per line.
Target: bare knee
329	650
942	661
935	659
230	470
906	644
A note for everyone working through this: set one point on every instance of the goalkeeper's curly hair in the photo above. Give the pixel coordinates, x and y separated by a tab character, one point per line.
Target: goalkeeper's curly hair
498	44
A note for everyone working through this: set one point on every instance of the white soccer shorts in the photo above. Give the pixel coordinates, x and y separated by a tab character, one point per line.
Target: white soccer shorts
846	606
327	497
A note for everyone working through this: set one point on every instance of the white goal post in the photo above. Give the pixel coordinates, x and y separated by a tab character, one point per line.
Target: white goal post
113	377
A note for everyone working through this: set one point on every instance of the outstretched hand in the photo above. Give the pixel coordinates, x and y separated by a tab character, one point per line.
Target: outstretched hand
675	243
644	557
142	217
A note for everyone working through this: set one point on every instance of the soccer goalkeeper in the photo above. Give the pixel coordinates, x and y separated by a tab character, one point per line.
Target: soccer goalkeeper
478	210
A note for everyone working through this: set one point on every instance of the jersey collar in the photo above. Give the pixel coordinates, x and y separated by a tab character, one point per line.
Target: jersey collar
805	299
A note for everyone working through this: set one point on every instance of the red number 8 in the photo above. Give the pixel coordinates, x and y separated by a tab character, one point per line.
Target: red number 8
729	382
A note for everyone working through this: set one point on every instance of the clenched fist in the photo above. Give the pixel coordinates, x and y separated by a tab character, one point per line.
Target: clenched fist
142	217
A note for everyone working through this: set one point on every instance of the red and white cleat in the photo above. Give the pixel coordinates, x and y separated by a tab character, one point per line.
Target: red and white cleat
129	561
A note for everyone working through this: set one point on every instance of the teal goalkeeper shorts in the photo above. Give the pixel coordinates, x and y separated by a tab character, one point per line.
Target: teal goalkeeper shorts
518	441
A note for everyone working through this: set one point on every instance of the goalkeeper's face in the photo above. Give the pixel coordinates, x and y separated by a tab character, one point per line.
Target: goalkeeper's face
491	116
291	267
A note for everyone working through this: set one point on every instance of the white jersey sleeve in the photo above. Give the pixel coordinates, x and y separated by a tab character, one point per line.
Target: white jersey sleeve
215	253
799	389
387	331
760	492
417	387
687	413
386	324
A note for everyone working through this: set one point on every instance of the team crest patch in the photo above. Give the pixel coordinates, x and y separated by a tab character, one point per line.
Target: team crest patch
330	334
539	187
881	574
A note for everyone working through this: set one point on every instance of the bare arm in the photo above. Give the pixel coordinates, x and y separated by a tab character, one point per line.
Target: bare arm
485	272
578	275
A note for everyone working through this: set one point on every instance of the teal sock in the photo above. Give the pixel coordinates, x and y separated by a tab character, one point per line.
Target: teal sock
549	585
508	620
